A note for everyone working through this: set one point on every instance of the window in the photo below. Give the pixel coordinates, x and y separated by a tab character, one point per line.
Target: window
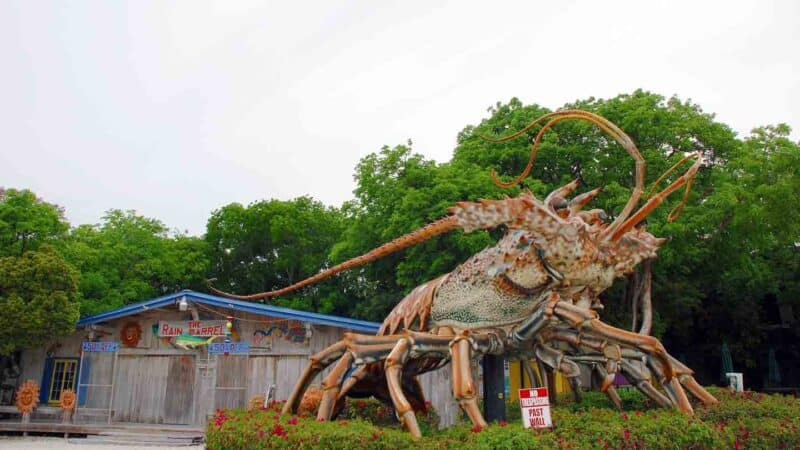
62	377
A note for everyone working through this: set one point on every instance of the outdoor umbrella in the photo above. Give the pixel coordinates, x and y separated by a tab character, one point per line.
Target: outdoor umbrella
727	363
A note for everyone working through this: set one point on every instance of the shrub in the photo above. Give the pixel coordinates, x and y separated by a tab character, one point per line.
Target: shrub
747	420
378	413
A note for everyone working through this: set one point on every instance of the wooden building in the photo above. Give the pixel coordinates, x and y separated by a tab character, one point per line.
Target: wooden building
174	360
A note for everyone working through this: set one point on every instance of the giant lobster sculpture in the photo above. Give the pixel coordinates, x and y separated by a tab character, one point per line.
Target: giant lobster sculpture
533	296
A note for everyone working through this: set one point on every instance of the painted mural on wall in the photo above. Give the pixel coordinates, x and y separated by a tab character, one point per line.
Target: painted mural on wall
290	330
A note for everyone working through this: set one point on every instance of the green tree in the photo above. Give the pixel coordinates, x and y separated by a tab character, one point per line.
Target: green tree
26	222
129	258
753	241
39	298
271	244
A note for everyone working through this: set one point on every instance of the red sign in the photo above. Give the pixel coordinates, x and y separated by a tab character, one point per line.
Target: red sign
202	328
535	404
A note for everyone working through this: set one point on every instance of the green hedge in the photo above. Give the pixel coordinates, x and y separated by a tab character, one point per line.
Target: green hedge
748	420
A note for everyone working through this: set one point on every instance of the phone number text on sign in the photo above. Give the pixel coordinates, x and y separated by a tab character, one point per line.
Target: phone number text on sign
535	405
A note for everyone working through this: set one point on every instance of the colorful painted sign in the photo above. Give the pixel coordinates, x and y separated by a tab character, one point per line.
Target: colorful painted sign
535	404
292	331
202	328
232	348
100	346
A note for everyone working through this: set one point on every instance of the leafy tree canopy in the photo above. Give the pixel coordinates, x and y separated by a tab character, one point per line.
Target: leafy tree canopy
128	258
26	221
39	298
272	243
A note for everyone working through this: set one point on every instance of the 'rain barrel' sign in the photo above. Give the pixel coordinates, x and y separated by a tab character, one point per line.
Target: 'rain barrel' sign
535	406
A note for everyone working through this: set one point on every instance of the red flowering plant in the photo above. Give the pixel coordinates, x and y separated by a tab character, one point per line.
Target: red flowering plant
264	429
219	418
738	421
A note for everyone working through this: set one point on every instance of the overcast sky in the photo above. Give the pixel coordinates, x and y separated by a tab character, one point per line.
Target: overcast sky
177	108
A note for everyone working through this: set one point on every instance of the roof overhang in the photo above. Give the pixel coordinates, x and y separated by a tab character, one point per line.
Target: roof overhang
236	305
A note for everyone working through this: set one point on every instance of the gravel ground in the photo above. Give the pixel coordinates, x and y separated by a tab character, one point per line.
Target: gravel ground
50	443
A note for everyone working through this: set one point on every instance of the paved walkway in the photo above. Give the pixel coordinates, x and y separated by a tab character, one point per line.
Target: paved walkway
53	443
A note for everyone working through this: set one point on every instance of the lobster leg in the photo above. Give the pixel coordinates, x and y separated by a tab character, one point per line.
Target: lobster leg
558	361
683	378
610	391
584	319
611	354
416	396
698	391
394	369
317	363
533	376
684	374
605	356
464	389
548	380
636	376
356	345
357	375
672	387
330	387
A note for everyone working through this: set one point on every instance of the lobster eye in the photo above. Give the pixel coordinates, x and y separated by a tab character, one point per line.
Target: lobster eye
559	203
602	216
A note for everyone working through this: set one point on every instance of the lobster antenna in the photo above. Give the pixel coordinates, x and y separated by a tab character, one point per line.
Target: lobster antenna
436	228
676	211
687	178
604	124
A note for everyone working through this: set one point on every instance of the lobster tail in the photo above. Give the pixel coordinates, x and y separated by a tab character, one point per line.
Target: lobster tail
429	231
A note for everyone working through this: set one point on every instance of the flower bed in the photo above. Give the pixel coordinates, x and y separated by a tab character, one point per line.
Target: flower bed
748	420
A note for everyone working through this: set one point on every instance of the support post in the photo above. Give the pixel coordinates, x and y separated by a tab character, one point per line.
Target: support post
66	417
494	404
113	380
78	391
26	419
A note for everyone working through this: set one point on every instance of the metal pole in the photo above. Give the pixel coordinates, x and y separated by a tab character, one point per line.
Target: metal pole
113	378
80	375
494	405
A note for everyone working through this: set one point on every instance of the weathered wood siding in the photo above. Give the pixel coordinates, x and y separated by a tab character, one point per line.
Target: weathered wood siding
438	390
141	386
261	370
157	383
231	385
179	397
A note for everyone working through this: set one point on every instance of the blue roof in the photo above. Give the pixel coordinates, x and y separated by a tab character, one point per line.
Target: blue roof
237	305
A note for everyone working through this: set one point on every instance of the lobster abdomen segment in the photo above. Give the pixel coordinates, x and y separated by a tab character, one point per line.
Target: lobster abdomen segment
413	311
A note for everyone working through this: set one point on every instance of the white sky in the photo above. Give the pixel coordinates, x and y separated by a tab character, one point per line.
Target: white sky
177	108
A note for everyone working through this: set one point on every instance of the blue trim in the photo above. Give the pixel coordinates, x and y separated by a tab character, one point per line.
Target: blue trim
83	378
47	376
237	305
